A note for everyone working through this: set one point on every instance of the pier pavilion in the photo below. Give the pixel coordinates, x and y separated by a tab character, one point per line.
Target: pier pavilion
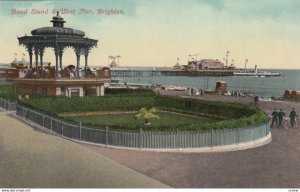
70	81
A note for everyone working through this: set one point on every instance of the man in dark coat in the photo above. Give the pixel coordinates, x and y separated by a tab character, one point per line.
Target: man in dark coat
281	114
293	116
274	118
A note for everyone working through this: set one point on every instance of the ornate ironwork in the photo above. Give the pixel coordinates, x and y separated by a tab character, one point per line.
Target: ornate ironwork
58	37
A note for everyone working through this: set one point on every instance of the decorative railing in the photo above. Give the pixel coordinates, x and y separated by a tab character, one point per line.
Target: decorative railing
143	138
8	105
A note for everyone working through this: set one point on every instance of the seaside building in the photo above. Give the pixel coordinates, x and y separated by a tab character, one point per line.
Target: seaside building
58	80
204	64
24	64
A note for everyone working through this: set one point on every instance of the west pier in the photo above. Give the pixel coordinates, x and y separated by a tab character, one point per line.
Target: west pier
162	71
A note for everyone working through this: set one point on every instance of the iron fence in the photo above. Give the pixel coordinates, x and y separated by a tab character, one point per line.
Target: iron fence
7	105
145	139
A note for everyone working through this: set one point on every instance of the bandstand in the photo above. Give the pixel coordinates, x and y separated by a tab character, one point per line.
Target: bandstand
59	81
58	37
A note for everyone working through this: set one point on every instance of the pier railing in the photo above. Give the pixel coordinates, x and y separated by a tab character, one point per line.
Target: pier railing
8	105
144	138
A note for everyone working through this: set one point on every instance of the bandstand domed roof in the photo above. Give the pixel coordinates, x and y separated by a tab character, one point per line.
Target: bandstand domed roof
58	28
57	31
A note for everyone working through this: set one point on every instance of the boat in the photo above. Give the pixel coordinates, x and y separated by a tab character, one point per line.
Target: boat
256	73
173	88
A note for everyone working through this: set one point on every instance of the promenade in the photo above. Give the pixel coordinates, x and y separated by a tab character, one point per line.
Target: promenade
31	158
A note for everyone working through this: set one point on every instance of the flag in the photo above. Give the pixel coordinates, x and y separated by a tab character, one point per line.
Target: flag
111	57
118	56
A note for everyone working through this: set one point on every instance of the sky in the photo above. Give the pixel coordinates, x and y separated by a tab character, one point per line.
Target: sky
156	33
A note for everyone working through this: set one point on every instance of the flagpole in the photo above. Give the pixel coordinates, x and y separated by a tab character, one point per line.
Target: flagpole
246	64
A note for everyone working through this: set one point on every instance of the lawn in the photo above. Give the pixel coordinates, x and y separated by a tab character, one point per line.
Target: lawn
168	121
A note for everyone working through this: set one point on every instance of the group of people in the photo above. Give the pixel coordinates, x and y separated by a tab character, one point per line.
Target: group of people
277	118
192	91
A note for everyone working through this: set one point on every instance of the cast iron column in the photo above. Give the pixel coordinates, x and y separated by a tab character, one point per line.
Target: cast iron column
56	62
86	60
36	53
78	63
60	59
30	57
41	59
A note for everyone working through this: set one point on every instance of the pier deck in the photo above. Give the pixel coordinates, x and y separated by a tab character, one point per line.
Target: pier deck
156	71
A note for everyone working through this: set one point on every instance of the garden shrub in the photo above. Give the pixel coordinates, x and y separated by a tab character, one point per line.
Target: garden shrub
230	115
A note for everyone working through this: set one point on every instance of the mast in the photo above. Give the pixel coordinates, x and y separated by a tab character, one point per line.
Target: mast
246	61
227	54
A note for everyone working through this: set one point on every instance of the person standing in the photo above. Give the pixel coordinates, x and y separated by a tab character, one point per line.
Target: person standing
256	101
293	116
281	114
189	91
274	118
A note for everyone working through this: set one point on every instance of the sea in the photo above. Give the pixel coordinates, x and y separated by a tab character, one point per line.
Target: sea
264	87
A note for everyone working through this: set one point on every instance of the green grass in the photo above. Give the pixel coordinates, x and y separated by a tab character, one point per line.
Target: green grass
7	92
168	121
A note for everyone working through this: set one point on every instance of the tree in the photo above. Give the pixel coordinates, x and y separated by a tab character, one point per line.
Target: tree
147	114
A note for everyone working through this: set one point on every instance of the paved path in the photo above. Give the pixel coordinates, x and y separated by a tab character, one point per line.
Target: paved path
275	165
34	159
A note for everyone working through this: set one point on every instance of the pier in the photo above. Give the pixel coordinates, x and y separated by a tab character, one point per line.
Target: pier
160	71
216	73
135	71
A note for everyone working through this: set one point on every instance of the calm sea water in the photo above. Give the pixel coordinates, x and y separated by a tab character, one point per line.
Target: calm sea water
262	86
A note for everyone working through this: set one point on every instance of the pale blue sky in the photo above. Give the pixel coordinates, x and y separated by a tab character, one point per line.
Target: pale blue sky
155	32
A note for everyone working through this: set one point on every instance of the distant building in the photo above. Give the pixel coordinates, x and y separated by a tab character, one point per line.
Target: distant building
177	66
113	64
24	64
232	66
205	64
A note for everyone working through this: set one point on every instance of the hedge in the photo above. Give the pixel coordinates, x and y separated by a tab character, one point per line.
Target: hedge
57	105
129	92
231	115
7	92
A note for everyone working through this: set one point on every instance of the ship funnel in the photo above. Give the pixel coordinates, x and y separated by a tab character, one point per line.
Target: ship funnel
255	68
